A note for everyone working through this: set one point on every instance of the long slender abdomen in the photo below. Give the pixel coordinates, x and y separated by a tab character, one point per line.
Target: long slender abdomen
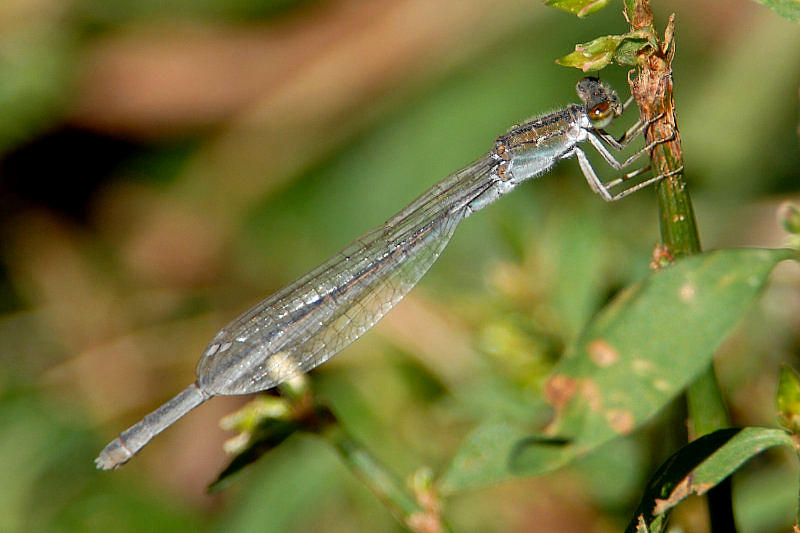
133	439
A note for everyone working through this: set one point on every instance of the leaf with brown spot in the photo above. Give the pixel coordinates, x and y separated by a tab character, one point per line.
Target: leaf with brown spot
591	394
653	327
662	344
700	466
602	352
681	491
559	390
620	421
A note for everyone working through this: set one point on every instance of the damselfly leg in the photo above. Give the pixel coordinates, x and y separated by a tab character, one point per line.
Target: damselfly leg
597	137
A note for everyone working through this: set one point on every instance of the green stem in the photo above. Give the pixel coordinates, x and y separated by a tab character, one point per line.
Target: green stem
679	236
653	92
383	484
678	226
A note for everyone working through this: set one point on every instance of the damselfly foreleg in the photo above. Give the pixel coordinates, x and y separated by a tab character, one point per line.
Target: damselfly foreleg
604	189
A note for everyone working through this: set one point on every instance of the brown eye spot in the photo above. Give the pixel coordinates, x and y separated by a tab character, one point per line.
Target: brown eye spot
599	110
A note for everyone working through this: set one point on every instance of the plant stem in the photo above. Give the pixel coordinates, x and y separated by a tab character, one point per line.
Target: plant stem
652	89
405	507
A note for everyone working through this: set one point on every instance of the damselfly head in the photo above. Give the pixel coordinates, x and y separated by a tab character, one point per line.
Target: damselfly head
600	100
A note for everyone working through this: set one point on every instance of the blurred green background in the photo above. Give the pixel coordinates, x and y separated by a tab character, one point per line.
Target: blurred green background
165	165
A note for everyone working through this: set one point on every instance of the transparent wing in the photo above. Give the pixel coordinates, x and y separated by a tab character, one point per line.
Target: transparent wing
309	321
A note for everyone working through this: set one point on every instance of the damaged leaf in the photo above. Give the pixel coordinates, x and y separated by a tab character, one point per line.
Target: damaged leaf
635	357
699	466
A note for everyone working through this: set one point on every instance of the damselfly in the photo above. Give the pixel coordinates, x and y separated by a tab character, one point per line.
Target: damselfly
308	322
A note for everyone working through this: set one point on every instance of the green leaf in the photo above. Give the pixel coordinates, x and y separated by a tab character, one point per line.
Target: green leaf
637	355
597	54
699	466
270	435
594	55
628	50
789	399
789	9
293	484
264	423
646	347
581	8
483	458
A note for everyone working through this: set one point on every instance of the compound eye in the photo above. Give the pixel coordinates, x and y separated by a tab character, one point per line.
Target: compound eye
600	111
601	115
